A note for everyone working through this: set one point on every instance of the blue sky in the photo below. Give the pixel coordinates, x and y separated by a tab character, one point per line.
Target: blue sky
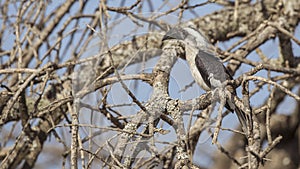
180	76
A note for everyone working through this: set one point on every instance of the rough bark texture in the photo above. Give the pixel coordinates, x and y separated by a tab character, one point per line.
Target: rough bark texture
59	69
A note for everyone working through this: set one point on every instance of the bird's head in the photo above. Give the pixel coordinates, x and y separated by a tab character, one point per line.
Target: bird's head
191	38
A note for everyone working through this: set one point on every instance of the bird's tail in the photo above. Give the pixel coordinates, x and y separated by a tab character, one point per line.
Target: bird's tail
245	119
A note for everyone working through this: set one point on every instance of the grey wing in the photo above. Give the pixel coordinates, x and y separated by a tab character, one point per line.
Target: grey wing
211	69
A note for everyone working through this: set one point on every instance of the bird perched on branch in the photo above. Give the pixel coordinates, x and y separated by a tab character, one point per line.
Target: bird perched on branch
207	70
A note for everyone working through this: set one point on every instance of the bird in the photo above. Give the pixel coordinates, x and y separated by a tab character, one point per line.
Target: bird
207	69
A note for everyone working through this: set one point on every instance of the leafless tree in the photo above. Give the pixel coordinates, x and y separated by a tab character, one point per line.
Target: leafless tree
88	84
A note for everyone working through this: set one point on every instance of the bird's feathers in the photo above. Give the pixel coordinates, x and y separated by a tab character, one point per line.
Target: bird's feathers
212	70
207	70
